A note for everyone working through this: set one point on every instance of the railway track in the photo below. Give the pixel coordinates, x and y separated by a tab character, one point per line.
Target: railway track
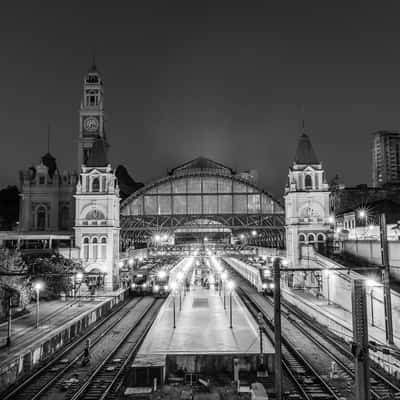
108	375
308	382
42	382
381	387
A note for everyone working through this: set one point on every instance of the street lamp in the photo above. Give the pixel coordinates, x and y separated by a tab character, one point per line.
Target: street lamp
179	277
224	276
173	288
254	233
78	279
231	286
37	286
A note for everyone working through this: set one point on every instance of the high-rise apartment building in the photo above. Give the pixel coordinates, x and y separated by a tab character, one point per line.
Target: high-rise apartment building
385	158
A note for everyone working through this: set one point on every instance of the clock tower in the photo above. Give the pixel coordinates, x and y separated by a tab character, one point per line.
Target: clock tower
91	115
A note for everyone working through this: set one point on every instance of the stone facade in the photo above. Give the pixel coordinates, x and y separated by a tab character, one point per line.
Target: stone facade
306	202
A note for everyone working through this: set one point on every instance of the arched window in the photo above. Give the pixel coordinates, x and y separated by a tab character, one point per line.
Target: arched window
320	237
96	185
64	218
103	248
41	218
308	182
311	238
302	238
86	248
95	249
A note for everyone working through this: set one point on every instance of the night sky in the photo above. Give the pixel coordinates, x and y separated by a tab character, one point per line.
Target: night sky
226	80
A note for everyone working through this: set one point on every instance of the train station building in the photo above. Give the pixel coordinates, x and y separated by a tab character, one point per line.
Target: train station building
198	201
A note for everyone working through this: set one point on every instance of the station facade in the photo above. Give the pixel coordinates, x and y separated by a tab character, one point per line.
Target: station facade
199	200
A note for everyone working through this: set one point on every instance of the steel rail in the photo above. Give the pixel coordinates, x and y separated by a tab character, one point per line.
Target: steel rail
11	393
84	391
308	390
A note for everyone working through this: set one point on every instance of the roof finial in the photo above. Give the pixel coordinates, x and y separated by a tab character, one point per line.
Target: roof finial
302	123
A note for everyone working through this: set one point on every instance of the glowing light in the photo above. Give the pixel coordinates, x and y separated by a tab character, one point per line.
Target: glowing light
231	285
79	276
362	213
338	230
264	285
173	285
165	237
156	288
241	236
121	264
370	227
371	283
144	285
331	219
165	287
254	233
38	285
157	238
272	285
130	261
133	285
224	275
162	274
206	239
284	262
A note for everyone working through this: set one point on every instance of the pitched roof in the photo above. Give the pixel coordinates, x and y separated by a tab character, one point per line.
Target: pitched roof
305	153
201	163
98	154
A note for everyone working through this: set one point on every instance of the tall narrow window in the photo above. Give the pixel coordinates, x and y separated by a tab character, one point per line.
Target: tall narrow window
308	182
95	249
86	249
41	218
95	185
103	248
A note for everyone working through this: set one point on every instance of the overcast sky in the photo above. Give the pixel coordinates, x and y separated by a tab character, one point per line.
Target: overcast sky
226	80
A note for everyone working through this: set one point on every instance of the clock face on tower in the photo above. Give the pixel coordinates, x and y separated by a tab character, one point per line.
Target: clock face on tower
91	124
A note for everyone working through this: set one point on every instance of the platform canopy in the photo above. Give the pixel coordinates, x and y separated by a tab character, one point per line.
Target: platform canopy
197	191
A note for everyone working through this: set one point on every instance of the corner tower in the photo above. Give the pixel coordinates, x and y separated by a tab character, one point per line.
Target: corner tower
97	216
91	115
306	202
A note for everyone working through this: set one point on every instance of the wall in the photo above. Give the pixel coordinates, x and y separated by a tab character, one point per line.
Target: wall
370	250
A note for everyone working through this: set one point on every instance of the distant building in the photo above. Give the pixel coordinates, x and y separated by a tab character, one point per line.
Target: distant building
362	223
342	199
385	158
47	203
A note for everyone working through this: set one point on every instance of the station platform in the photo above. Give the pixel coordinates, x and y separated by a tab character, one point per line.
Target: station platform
337	318
58	322
202	340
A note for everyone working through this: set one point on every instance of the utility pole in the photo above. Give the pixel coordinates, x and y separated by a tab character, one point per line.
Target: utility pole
277	328
360	339
9	320
386	279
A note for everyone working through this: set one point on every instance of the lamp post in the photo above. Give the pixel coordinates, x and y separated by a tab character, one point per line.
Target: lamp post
224	276
180	278
173	287
37	286
231	286
79	277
